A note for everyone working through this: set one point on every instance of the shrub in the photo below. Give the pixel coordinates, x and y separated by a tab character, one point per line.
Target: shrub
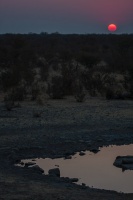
55	87
80	97
9	79
110	94
40	100
19	93
35	90
79	91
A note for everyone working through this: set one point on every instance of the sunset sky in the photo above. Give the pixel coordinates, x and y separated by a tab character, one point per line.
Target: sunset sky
65	16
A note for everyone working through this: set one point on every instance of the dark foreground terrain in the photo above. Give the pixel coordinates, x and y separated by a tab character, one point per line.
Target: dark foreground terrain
63	128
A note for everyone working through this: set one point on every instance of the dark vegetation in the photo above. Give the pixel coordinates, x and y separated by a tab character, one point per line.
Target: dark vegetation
32	65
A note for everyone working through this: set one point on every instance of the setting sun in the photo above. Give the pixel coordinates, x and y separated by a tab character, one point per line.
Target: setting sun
112	27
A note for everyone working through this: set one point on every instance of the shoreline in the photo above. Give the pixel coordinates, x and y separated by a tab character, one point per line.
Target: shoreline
65	127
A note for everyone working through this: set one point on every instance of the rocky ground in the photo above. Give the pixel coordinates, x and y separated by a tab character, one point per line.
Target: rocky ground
56	129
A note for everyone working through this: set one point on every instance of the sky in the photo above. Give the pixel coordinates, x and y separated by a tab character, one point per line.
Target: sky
65	16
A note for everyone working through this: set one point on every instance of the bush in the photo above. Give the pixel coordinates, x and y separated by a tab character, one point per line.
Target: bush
19	94
35	93
40	100
80	97
110	94
16	94
79	91
9	79
55	87
35	90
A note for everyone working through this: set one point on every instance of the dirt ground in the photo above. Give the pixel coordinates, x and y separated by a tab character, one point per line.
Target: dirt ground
62	128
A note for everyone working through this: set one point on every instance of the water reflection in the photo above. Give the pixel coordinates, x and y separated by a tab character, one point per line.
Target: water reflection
95	170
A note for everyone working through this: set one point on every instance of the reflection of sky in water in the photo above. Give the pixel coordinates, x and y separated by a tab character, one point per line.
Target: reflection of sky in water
95	170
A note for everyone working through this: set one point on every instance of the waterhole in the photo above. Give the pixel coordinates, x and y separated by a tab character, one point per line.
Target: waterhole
95	170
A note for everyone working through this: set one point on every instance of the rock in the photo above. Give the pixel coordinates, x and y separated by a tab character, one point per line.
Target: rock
74	180
29	164
127	167
21	163
124	162
118	161
70	180
37	169
95	150
127	160
54	172
81	153
68	153
84	186
68	157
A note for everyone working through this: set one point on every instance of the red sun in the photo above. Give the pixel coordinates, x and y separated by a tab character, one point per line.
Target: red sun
112	27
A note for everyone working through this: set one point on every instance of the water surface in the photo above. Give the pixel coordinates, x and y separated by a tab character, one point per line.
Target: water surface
95	170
